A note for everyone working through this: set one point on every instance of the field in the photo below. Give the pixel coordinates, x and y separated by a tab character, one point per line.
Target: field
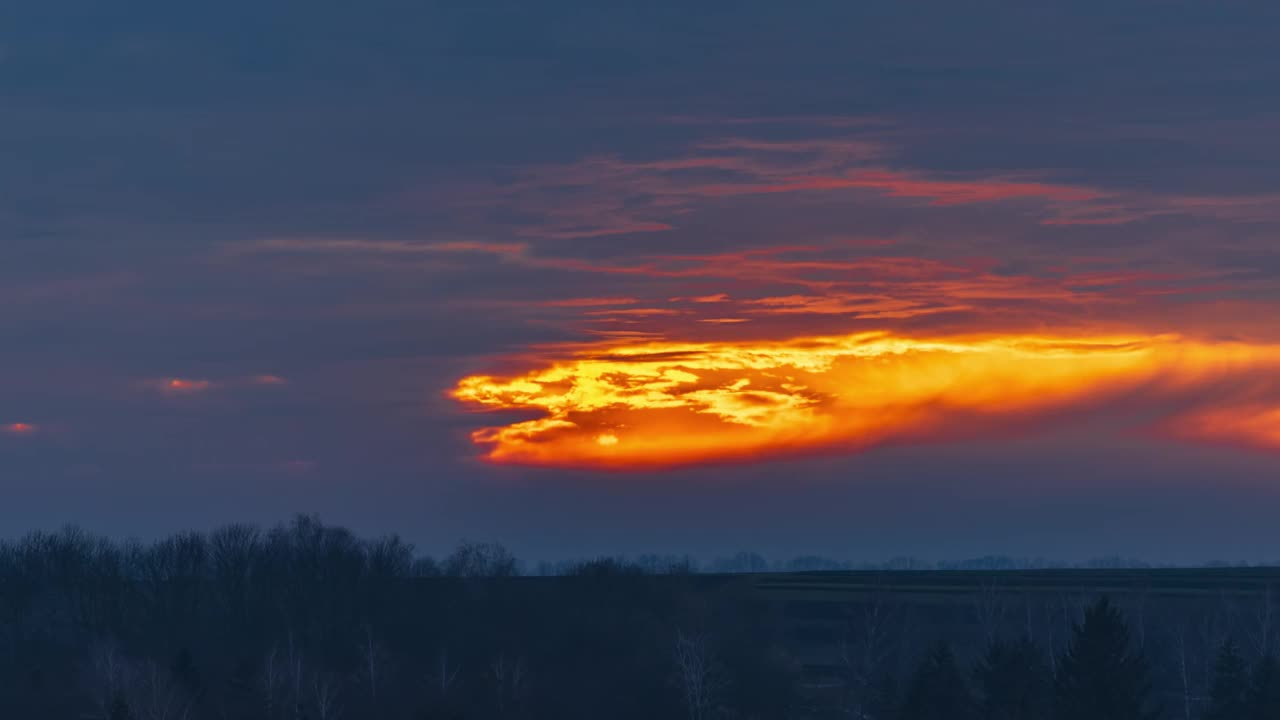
1173	582
841	626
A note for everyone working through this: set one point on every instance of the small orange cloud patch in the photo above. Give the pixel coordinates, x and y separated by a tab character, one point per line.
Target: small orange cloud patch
672	403
19	428
185	385
1254	425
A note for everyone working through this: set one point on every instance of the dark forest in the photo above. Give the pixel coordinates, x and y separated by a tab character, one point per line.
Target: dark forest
308	621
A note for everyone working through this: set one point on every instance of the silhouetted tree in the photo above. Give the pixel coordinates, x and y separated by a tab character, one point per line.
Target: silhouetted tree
1263	696
120	710
185	674
480	560
605	568
1013	682
243	624
937	690
743	562
698	675
1101	677
881	695
1229	692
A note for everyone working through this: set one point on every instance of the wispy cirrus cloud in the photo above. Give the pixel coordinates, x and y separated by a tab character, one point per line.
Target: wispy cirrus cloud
842	278
607	195
374	246
589	302
191	386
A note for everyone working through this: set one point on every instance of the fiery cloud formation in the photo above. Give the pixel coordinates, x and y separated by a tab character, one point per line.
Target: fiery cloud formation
671	403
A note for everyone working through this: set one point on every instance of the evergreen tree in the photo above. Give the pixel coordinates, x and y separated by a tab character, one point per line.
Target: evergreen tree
1263	696
1228	695
937	690
882	695
243	694
1014	682
186	674
1100	677
120	710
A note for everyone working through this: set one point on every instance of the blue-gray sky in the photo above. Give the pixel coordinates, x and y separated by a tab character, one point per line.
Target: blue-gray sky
247	250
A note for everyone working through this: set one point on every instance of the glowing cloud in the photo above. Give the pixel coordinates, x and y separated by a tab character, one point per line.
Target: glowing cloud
181	386
268	380
19	428
675	403
184	386
1252	424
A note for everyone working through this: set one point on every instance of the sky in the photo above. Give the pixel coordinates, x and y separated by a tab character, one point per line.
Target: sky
855	279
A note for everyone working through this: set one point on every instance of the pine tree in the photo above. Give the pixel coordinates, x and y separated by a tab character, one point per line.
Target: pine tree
937	690
1100	677
186	674
1263	696
120	710
1014	682
882	695
243	693
1228	695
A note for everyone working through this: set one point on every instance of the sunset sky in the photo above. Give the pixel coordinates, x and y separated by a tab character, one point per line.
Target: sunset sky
860	279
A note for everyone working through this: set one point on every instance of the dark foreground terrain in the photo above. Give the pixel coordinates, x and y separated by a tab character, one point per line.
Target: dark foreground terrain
843	628
308	621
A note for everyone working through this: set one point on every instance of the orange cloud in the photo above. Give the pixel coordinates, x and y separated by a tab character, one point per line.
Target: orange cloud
611	195
589	302
268	380
185	386
911	185
195	386
661	403
621	228
20	428
636	312
1252	424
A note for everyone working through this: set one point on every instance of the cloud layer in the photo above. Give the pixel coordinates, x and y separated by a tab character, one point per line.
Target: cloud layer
377	200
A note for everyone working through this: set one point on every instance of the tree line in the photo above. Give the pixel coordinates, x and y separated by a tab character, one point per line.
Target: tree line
1101	676
306	621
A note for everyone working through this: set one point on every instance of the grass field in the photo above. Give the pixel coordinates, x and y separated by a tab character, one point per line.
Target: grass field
841	585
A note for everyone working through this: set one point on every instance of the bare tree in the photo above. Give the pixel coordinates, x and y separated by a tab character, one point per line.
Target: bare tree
273	681
373	662
146	688
325	689
294	675
990	609
1140	615
232	549
509	679
1050	636
697	674
1182	672
865	649
1029	625
1263	625
157	697
444	675
109	675
472	560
